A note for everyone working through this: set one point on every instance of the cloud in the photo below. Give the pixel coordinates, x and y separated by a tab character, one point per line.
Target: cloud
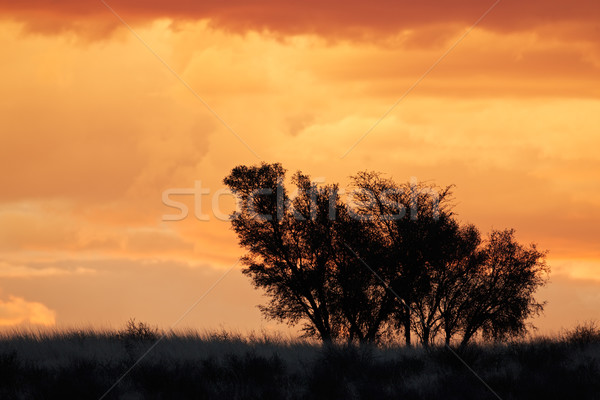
578	268
10	270
112	129
148	240
154	291
38	227
333	18
17	310
106	121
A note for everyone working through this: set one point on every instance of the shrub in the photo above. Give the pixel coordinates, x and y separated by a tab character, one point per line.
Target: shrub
583	334
138	331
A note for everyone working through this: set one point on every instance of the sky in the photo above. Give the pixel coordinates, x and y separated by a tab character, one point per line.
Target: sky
109	106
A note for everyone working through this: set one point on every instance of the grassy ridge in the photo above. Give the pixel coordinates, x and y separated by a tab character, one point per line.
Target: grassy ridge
85	364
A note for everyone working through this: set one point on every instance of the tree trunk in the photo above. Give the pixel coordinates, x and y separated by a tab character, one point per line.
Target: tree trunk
466	338
325	337
407	328
425	339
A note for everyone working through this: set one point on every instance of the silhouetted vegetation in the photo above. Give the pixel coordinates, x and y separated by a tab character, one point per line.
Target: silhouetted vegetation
138	331
86	364
393	262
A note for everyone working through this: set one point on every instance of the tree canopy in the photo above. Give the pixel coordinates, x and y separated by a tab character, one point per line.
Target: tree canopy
391	262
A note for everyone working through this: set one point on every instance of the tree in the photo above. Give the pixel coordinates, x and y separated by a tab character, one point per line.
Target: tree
498	297
394	260
414	221
279	260
296	254
452	258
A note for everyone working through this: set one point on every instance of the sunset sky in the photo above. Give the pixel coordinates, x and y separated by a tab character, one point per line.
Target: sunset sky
106	105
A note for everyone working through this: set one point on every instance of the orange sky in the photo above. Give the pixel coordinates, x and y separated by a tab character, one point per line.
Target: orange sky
94	127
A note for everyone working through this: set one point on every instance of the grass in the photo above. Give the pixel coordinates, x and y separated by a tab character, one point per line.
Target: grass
219	365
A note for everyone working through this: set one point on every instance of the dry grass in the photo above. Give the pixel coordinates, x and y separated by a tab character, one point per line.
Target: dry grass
83	364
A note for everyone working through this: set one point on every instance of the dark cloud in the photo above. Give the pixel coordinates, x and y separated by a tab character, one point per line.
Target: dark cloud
333	18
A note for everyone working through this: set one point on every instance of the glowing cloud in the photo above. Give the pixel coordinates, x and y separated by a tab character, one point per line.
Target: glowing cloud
17	310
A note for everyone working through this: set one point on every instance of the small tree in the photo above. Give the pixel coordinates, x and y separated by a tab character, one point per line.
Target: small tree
499	298
139	331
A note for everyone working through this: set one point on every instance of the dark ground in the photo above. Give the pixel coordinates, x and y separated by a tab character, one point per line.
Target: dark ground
86	364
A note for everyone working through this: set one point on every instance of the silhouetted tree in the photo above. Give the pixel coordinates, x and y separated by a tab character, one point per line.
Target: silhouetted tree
280	261
498	293
411	220
296	253
394	260
362	302
452	255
